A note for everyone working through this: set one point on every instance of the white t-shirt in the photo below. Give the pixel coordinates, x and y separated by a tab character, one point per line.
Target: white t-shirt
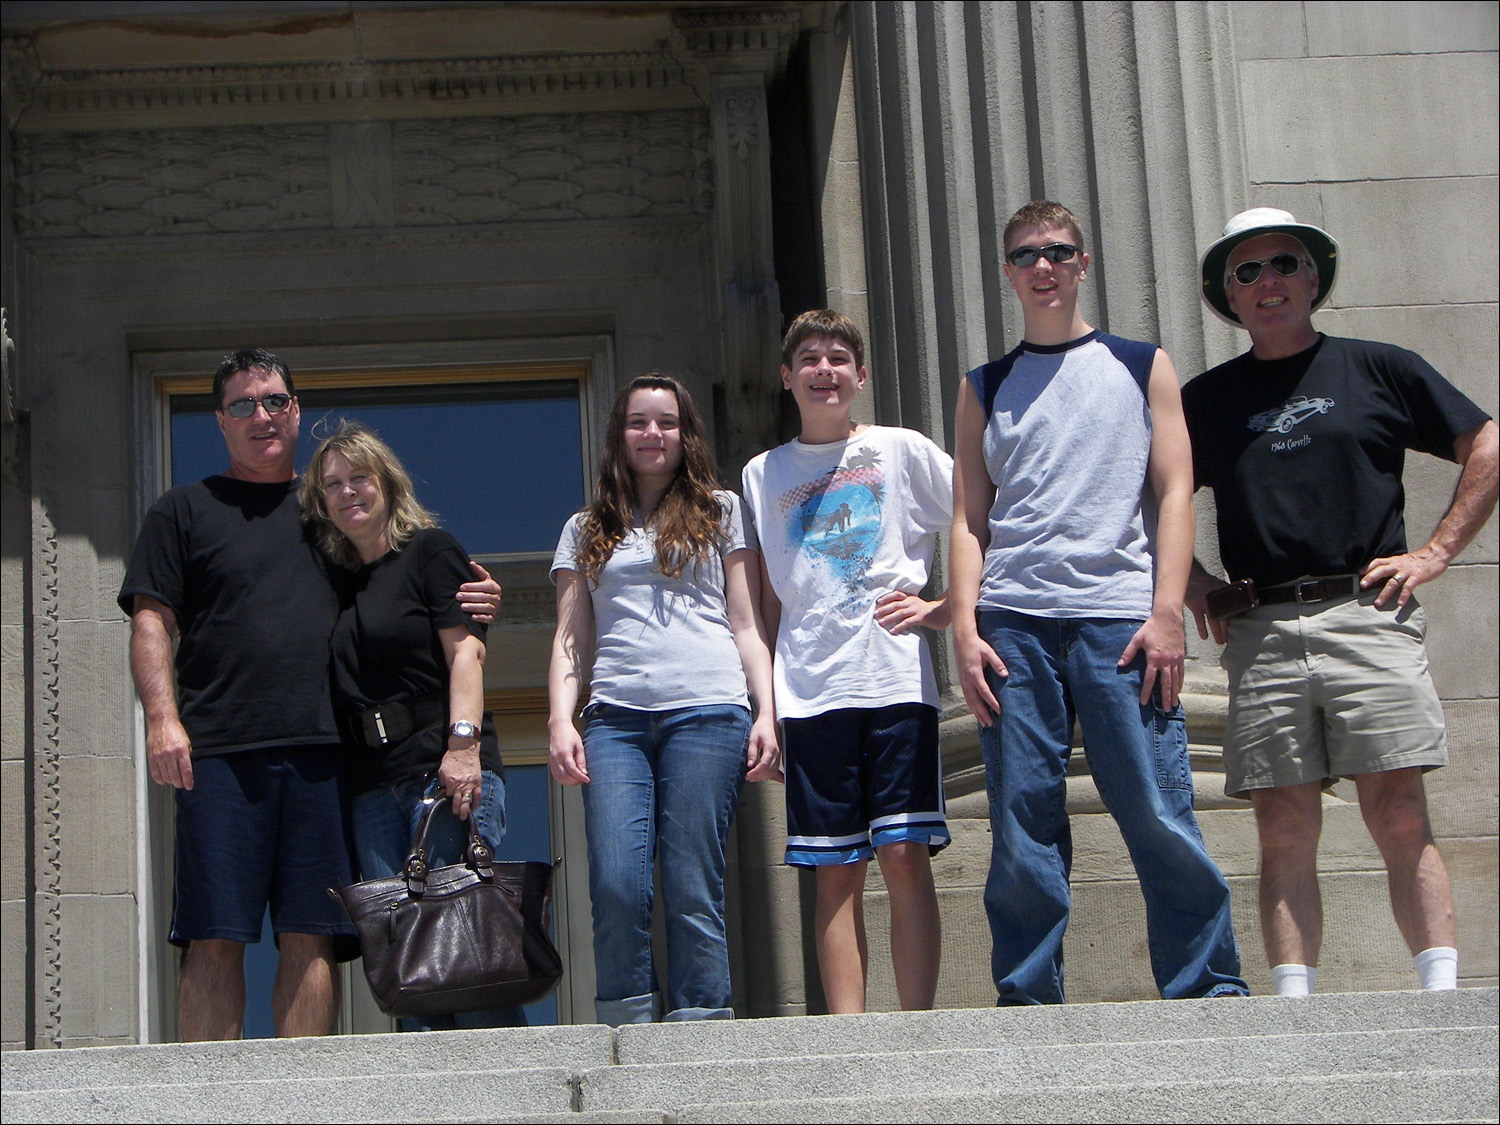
663	643
841	525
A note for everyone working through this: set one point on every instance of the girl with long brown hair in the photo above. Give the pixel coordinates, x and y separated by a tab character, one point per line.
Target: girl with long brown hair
658	581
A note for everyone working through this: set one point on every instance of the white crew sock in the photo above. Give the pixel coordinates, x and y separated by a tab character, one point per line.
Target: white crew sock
1437	968
1294	980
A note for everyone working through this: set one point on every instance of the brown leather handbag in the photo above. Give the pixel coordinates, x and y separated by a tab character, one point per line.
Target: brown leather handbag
456	939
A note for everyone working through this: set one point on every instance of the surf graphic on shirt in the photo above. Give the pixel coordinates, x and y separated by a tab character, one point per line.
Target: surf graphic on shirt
834	521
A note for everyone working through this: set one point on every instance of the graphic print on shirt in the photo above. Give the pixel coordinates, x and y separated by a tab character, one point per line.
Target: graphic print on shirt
834	520
1293	411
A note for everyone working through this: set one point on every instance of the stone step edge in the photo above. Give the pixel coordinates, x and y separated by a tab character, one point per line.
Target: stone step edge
778	1109
1403	1080
785	1037
575	1073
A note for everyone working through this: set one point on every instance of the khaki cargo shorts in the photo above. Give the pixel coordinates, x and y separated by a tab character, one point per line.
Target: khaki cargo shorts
1335	689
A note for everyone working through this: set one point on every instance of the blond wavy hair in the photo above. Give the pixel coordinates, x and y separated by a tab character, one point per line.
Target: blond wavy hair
363	449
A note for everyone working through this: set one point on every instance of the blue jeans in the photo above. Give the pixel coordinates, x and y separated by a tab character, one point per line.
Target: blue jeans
386	819
1059	668
664	782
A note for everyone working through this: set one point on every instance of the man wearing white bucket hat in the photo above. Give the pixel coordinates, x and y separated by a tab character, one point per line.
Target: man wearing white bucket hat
1303	440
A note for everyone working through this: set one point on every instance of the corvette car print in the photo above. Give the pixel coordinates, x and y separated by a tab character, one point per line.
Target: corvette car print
1290	413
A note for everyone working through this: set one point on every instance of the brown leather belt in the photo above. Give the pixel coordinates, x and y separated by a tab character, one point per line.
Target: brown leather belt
1310	590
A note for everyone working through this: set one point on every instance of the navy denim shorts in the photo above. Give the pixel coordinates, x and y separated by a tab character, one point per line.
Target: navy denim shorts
259	827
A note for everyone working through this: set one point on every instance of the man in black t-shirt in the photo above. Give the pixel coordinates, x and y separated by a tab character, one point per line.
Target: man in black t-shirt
240	722
1303	441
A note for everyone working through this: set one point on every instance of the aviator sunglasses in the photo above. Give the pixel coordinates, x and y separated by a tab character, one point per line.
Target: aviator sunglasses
1023	257
244	407
1285	265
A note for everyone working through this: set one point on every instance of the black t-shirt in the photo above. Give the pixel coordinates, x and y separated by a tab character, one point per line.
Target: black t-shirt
1305	454
385	648
254	603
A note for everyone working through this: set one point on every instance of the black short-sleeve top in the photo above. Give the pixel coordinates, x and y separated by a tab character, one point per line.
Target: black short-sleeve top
1305	454
255	602
386	647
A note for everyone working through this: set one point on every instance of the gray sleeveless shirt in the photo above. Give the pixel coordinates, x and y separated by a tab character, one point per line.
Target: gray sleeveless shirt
1067	440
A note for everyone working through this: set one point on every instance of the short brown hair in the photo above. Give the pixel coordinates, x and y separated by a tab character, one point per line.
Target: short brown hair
1042	213
823	322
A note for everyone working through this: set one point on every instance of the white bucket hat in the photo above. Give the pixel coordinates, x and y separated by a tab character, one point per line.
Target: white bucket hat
1251	224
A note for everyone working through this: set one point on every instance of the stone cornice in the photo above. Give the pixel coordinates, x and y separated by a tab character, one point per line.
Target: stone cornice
156	97
738	40
705	43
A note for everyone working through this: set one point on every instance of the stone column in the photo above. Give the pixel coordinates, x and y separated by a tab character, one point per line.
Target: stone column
732	53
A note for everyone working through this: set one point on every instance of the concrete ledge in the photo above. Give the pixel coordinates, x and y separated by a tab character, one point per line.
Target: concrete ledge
1446	1095
912	1071
398	1095
249	1060
1387	1056
988	1028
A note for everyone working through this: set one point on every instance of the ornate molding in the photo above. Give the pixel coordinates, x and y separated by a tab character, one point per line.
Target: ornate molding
739	40
8	370
362	175
647	231
20	70
54	100
741	122
47	782
442	172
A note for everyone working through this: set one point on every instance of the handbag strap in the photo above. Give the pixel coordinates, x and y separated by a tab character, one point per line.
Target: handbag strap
479	856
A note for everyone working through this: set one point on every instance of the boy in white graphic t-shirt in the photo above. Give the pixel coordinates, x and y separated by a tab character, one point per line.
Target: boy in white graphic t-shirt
848	516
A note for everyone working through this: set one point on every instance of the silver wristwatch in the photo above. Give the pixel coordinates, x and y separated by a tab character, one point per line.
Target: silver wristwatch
464	729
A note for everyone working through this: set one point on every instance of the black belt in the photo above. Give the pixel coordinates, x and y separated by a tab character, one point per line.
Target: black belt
1306	591
396	720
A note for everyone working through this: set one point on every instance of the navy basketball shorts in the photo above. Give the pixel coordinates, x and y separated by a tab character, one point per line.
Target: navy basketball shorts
860	778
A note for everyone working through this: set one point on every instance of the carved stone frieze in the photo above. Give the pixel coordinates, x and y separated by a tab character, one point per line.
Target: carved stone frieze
341	90
361	174
440	172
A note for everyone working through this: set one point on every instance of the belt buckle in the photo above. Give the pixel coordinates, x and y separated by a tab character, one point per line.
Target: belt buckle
1300	586
380	727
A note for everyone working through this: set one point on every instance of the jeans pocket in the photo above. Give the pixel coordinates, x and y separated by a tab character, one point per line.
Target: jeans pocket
1169	740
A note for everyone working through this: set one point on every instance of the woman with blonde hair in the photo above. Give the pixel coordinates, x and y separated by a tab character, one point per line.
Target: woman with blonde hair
408	670
658	580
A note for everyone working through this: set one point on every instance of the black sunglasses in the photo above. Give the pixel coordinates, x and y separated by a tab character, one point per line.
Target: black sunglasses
1024	256
244	407
1285	265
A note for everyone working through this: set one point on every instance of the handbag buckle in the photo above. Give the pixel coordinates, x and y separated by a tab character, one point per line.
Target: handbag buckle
416	872
481	857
